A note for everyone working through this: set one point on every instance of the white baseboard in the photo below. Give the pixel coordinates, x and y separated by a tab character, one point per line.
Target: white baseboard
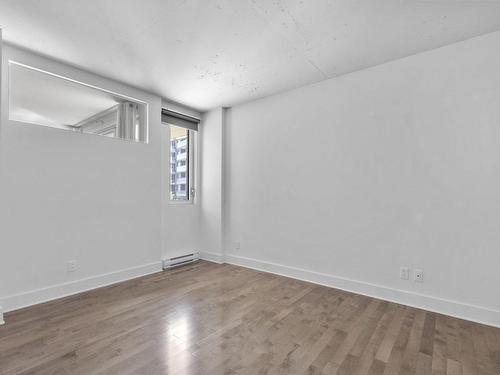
212	257
33	297
453	308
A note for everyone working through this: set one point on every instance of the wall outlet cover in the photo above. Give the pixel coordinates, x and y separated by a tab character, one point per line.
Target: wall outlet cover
72	265
404	273
418	276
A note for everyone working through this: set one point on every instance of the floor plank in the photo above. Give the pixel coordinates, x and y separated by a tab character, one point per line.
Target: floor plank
207	318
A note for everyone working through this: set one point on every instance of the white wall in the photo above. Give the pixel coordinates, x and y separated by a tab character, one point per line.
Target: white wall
344	181
211	192
1	45
68	196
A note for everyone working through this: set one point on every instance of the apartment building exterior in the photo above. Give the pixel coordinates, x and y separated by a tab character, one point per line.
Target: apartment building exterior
179	179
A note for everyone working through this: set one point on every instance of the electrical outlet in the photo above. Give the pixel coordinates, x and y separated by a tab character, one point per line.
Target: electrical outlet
237	245
418	276
72	266
404	273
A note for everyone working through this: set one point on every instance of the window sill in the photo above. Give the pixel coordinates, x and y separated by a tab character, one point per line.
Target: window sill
181	203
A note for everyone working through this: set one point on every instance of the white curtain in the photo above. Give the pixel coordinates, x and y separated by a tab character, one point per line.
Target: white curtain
129	122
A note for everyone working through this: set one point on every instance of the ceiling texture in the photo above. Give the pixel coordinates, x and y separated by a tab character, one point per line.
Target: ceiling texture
210	53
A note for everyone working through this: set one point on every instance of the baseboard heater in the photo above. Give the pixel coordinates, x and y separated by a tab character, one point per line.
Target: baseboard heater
180	260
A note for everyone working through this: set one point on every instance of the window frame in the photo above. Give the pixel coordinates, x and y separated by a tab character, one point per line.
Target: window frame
190	168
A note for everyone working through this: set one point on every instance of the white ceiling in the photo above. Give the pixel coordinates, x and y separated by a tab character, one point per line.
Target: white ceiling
208	53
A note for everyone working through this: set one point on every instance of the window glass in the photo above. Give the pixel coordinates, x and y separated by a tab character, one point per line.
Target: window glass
179	163
42	98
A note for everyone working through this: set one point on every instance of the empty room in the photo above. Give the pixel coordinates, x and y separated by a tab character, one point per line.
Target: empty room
250	187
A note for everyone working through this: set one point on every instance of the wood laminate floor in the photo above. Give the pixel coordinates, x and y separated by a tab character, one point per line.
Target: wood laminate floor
221	319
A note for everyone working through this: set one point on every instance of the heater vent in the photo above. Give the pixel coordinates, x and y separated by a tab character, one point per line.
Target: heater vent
180	260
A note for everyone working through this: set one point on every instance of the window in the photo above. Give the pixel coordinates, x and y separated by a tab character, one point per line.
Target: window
46	99
182	130
179	139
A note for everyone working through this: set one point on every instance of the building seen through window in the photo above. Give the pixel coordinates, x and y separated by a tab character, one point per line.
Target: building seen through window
179	163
